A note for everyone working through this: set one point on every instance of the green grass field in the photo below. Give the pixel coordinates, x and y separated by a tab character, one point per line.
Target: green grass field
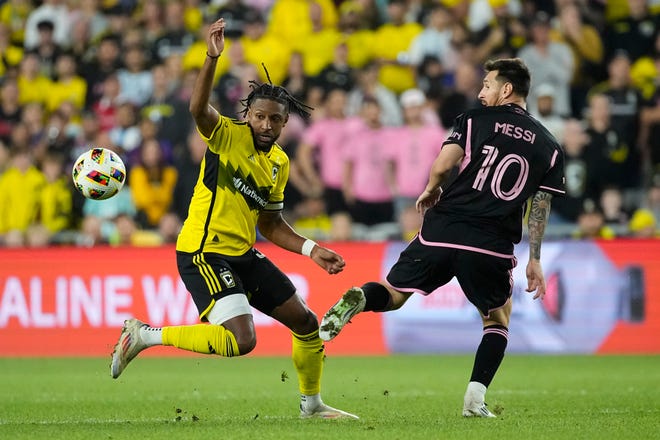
397	397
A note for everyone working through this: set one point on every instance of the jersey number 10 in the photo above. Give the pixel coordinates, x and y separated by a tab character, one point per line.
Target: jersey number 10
497	176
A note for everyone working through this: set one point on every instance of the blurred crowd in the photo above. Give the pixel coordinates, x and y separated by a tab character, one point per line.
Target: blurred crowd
386	79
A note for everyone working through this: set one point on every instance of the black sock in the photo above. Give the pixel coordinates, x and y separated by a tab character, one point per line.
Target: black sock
489	354
378	297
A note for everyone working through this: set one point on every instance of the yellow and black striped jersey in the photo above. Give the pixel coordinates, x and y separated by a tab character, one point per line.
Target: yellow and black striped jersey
236	182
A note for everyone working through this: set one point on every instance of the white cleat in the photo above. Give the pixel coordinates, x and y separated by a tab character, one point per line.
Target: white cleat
129	345
476	409
324	411
350	304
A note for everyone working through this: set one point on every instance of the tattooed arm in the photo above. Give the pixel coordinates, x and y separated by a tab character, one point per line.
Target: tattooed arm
538	218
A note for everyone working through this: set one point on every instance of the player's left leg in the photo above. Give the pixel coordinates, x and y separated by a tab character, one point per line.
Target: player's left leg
307	353
274	294
486	281
487	361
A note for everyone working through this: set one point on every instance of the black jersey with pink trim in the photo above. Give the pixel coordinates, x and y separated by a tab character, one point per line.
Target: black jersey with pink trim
509	156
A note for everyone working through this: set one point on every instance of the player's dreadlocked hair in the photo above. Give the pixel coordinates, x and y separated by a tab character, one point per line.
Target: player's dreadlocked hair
276	93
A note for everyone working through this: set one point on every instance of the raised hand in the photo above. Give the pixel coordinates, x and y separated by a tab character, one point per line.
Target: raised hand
215	40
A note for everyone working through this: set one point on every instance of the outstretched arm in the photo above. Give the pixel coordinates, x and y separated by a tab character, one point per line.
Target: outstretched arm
273	226
206	117
538	218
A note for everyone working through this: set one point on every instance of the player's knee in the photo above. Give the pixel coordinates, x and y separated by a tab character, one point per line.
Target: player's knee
245	342
500	316
499	321
243	333
306	323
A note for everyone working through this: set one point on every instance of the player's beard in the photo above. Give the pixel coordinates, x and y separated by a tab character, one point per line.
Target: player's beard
263	145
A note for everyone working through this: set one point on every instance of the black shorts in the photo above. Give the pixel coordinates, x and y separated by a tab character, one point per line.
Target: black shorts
209	277
486	280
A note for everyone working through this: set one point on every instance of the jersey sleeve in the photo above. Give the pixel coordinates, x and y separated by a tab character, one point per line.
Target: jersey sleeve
554	181
459	132
441	134
225	133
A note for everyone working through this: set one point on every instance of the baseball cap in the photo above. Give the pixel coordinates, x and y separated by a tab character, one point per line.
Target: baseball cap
46	25
541	18
412	97
544	90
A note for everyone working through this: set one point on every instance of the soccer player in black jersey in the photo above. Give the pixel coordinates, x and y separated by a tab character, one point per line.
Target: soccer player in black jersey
240	187
504	158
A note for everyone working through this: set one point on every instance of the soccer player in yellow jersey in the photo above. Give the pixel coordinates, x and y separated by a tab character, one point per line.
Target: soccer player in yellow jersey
240	187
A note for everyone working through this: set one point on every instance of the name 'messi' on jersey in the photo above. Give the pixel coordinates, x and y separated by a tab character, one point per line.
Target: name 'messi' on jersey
515	132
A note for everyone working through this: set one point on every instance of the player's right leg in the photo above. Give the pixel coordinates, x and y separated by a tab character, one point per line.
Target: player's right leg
415	271
350	304
218	295
374	297
225	335
129	345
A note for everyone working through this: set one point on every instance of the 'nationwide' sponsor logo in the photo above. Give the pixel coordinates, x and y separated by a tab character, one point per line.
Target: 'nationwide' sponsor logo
250	194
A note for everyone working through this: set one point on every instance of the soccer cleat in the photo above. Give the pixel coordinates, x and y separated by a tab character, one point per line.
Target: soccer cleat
350	304
476	409
324	411
129	345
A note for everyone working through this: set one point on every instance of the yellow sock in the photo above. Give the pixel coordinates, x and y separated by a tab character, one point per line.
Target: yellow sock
202	338
307	354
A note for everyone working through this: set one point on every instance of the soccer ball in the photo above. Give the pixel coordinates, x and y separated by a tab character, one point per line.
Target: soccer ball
98	174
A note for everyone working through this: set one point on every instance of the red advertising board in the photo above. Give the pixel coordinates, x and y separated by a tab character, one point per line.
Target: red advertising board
73	301
643	336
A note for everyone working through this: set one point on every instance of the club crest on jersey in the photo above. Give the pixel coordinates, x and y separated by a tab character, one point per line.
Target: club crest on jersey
276	169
